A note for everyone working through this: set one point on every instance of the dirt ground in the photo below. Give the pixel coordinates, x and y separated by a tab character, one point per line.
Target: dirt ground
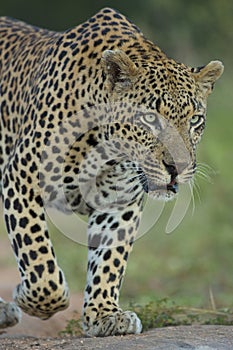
171	338
35	334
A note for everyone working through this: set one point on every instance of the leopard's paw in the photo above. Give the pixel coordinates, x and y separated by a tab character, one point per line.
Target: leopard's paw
45	305
118	323
10	314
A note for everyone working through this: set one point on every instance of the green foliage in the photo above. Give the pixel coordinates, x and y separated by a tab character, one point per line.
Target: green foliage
164	313
73	328
157	314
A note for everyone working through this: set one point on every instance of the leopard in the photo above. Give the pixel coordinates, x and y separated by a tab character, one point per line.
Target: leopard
93	120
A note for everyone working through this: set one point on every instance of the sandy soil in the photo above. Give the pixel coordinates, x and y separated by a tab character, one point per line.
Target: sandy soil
34	334
171	338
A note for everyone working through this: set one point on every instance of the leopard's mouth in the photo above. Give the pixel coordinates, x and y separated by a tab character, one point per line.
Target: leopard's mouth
173	185
150	186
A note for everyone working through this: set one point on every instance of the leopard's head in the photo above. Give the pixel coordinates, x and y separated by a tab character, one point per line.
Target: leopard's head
165	102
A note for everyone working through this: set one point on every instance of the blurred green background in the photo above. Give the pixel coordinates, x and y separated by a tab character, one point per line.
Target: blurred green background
198	256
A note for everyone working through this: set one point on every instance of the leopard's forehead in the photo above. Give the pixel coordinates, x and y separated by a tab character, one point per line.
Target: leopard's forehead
169	87
169	77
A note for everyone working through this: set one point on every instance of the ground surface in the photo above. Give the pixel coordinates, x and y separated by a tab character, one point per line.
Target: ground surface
171	338
34	334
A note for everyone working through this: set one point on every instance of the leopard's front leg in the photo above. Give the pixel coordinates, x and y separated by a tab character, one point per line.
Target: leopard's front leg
43	290
110	236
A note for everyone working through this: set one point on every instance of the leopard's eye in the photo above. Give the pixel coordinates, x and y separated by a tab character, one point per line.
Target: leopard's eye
196	120
152	121
150	118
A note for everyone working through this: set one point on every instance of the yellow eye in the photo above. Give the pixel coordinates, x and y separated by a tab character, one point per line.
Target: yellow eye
150	118
196	120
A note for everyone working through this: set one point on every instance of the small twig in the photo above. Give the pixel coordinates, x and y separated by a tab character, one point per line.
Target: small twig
202	311
212	301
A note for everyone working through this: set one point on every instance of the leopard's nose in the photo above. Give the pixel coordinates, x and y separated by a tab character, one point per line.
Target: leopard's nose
174	169
171	169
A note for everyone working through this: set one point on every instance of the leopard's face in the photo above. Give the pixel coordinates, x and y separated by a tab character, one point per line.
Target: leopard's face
165	103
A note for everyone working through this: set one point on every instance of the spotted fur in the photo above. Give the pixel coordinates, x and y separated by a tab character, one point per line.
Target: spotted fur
91	117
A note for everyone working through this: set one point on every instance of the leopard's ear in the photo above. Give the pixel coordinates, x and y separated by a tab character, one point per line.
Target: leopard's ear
206	76
119	69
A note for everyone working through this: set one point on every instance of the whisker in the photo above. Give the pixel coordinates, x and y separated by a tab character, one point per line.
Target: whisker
142	179
202	175
207	168
197	191
191	186
131	179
